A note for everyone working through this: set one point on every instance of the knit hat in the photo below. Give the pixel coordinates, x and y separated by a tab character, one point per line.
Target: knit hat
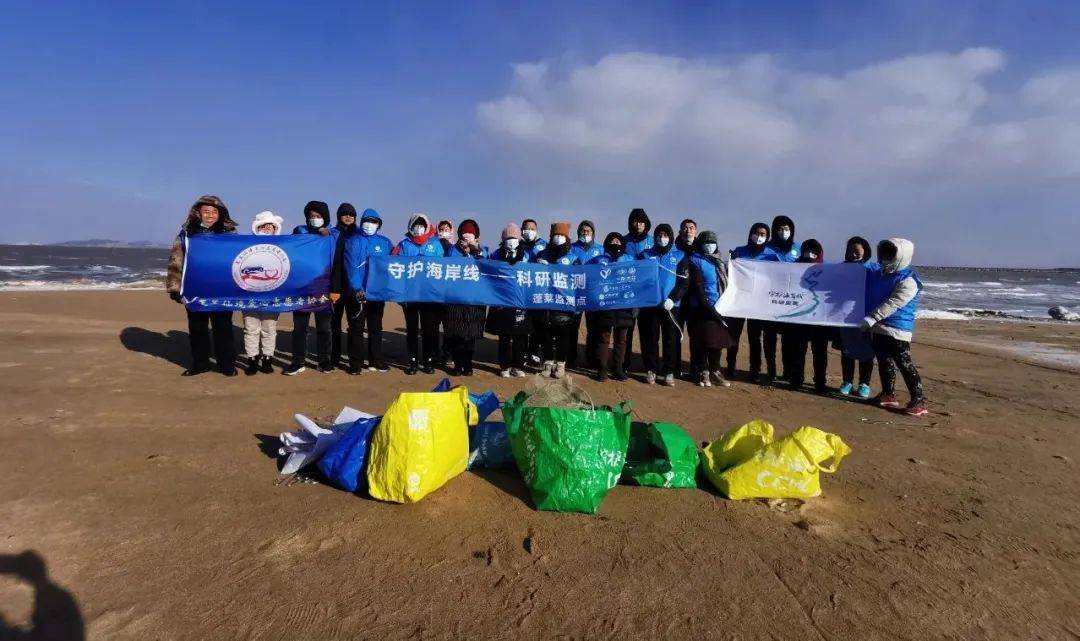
468	226
586	223
318	207
264	217
346	209
706	237
560	229
511	231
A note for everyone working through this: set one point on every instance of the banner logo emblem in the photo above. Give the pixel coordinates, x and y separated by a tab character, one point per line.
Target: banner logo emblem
260	268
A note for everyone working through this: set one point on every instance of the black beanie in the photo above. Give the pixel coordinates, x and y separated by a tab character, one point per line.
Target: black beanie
589	224
346	209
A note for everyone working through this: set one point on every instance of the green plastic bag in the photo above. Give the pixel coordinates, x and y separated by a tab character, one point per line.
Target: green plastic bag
660	455
570	458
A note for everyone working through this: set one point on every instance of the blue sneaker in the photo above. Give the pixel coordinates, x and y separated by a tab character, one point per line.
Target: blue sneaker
845	389
864	391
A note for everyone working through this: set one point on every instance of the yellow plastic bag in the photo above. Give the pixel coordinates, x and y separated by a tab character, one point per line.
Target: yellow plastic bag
785	469
735	446
421	443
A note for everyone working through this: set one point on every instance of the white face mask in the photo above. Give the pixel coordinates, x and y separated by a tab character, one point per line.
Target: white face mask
315	222
528	234
584	238
785	234
369	228
811	256
708	248
757	239
418	230
663	241
444	234
512	243
469	238
558	239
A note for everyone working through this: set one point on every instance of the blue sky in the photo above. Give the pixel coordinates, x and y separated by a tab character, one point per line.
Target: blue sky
949	123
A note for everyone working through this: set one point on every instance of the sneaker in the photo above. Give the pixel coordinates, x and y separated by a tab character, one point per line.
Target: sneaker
845	389
888	401
729	373
517	373
267	366
704	380
719	379
428	367
601	375
411	369
767	379
650	378
917	407
229	372
864	391
669	380
619	374
293	370
560	370
326	368
548	368
505	373
822	389
354	370
196	370
252	367
382	368
533	361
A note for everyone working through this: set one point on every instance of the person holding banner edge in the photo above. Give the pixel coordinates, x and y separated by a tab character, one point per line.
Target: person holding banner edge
798	337
353	253
585	248
756	248
635	241
786	250
534	245
702	279
850	341
658	326
421	319
260	328
556	325
316	220
208	215
613	325
464	324
346	225
511	325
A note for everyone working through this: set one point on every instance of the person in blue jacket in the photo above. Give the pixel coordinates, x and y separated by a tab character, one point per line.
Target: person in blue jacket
316	221
756	248
464	324
346	224
613	325
584	249
421	319
702	280
555	327
787	250
858	251
658	326
892	303
532	244
635	242
355	249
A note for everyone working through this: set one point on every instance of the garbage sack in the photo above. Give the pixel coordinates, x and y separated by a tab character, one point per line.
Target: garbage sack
489	446
343	462
570	458
421	443
486	403
735	446
660	455
307	445
787	468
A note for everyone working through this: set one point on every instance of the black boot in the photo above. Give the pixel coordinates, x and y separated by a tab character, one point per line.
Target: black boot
195	370
265	365
601	374
429	367
411	369
252	367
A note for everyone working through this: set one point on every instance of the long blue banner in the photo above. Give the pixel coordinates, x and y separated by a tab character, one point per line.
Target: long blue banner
263	273
292	273
574	288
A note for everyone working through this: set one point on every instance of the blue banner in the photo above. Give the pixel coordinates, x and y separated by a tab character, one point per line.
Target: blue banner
227	272
573	288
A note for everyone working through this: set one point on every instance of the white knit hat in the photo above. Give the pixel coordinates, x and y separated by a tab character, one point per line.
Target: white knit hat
264	217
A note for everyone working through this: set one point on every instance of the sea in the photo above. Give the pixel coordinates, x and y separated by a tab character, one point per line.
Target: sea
949	292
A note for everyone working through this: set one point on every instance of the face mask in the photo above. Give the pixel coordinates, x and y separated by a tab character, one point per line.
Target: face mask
558	239
512	243
418	230
369	228
585	239
528	234
663	241
811	255
259	232
314	222
708	248
468	238
757	240
784	234
444	234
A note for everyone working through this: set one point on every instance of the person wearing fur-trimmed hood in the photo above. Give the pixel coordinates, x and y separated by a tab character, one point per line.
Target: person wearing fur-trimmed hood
208	215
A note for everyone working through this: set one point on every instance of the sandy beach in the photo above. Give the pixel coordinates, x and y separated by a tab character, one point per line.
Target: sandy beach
152	502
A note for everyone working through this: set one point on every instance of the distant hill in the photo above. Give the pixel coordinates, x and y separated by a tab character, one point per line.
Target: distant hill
103	242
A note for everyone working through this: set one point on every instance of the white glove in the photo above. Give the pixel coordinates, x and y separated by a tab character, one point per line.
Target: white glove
717	307
669	304
542	261
867	324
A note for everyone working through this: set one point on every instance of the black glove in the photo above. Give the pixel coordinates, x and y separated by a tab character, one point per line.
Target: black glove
176	297
361	297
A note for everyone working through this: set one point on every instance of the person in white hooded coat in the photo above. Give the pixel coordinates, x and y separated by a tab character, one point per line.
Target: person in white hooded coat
260	328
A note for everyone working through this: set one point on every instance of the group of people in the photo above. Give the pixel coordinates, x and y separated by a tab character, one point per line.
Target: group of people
692	273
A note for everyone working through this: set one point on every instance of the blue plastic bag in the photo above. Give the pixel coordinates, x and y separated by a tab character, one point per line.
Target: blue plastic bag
489	446
343	463
486	403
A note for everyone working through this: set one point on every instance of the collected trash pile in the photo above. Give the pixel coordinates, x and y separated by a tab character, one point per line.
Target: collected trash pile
570	452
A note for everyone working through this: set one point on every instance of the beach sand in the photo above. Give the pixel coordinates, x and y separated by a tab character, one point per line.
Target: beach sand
152	501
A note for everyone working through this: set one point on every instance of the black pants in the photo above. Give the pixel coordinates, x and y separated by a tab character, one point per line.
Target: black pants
611	348
422	330
796	340
335	329
539	337
556	342
201	325
735	328
572	352
361	316
512	348
757	332
659	335
592	342
705	359
322	337
847	368
892	354
462	350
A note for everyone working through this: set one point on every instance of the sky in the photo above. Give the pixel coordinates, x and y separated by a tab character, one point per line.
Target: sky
954	124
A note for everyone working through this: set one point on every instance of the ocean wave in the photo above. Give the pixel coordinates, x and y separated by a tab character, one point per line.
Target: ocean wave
940	314
76	285
24	268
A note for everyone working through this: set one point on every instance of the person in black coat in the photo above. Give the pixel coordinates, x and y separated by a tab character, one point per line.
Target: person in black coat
511	324
612	326
702	279
463	324
557	327
798	337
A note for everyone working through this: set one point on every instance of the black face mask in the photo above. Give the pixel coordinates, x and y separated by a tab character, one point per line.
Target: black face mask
614	250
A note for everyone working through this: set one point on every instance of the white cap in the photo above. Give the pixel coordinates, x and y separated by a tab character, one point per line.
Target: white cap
264	217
